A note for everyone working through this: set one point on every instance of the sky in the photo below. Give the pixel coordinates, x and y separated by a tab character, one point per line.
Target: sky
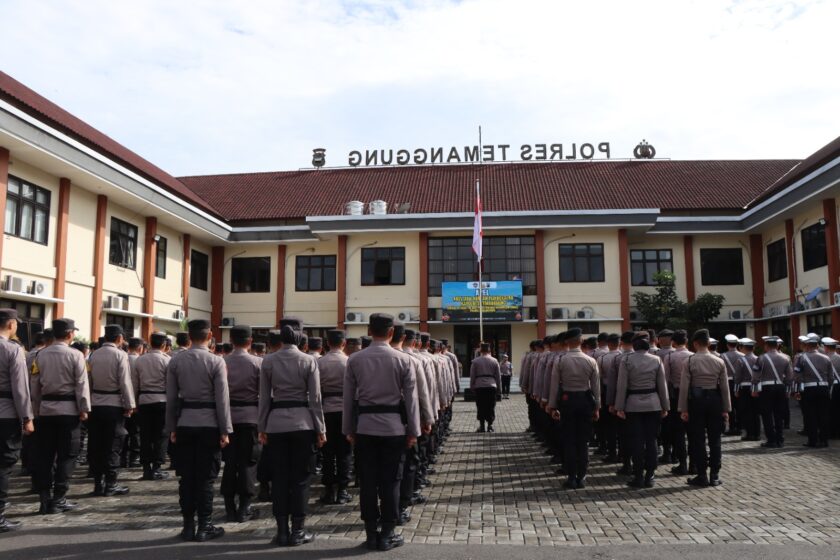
205	87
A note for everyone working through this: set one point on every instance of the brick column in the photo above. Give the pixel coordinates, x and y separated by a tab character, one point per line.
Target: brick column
424	281
149	271
757	267
185	275
61	245
688	248
4	186
624	278
341	281
281	284
217	288
830	216
98	266
791	262
539	254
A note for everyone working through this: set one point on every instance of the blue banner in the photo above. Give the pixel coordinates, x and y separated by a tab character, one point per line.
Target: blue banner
501	301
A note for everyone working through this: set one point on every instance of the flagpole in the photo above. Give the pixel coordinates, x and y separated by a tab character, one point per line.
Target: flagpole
480	279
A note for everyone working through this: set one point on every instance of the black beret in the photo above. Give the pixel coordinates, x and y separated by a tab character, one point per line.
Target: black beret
353	341
627	337
485	347
665	333
61	327
303	340
316	343
240	332
135	341
399	331
295	322
182	338
335	337
158	338
680	336
48	333
640	335
444	341
7	314
701	336
592	341
227	347
434	344
113	331
425	337
549	339
603	337
539	343
258	346
381	321
613	338
274	338
410	334
573	333
365	341
198	326
558	338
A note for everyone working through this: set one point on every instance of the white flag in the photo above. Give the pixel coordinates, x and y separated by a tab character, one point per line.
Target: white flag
477	231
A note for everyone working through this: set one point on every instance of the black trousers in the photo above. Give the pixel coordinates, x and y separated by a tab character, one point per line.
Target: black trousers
748	412
380	463
644	428
675	432
337	453
485	402
506	384
835	411
576	411
409	478
151	419
10	445
106	433
131	439
816	405
704	423
292	461
773	401
735	423
241	457
198	459
57	448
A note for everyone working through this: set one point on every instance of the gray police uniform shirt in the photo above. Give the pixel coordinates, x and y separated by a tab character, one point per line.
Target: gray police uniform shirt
575	372
537	372
59	370
608	365
148	377
380	375
456	378
813	370
427	415
731	358
525	372
548	367
290	375
704	370
641	371
197	376
506	369
15	400
110	378
835	369
675	364
427	370
744	371
485	373
772	368
243	385
332	367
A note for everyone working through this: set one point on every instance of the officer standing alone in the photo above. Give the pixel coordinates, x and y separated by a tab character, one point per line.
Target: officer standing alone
486	383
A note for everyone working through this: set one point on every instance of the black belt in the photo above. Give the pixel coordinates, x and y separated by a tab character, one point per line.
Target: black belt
575	392
330	394
152	392
289	404
699	392
67	398
100	392
5	394
198	404
243	403
642	391
379	409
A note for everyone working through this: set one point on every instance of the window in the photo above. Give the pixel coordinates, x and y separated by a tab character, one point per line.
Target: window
127	323
199	262
820	324
251	274
30	319
123	244
383	266
315	273
586	327
814	254
581	262
644	264
721	267
451	259
776	261
160	259
27	211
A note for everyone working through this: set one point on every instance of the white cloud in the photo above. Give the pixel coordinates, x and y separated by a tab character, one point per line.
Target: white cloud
204	87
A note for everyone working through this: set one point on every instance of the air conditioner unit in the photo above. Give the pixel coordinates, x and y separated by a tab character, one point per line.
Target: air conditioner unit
736	315
836	298
585	313
560	313
797	306
404	316
228	321
13	283
354	317
114	302
179	315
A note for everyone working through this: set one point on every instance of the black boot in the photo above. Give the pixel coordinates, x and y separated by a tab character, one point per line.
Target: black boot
299	534
282	536
230	508
207	531
46	503
113	489
59	504
329	496
388	539
188	532
637	481
245	511
265	492
158	474
404	517
490	427
680	470
714	479
372	535
7	525
343	496
650	479
480	429
148	472
98	487
134	461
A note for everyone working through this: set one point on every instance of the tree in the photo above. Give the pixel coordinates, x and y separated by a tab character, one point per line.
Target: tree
664	309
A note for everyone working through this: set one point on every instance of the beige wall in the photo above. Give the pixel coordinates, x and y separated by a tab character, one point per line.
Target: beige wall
316	308
372	299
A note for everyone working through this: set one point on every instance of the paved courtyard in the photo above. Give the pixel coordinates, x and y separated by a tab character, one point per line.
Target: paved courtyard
500	489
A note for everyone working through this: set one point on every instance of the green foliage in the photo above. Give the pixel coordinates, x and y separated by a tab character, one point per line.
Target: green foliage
81	339
664	309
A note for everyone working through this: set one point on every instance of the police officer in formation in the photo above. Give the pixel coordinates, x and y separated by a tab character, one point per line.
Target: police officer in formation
674	428
749	415
148	377
486	382
338	455
772	373
812	377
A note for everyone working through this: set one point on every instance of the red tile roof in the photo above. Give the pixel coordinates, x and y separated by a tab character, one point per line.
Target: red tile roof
665	184
46	111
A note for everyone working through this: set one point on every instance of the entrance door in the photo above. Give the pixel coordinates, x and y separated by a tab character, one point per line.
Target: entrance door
467	342
30	319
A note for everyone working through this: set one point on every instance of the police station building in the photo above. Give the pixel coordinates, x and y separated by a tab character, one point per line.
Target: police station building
96	233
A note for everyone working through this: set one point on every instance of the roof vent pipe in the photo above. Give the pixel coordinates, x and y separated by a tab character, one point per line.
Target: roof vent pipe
354	208
378	207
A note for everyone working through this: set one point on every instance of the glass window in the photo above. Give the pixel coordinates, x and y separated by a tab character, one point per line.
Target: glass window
721	267
777	261
123	250
199	264
820	324
581	262
160	258
315	273
814	253
250	274
30	319
586	327
644	264
27	211
127	323
383	266
451	259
